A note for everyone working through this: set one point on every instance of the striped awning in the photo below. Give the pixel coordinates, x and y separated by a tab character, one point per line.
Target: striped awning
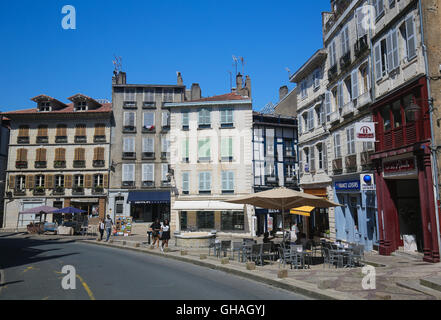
302	211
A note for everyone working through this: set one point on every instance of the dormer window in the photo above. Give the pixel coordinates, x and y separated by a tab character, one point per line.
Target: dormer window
44	106
81	106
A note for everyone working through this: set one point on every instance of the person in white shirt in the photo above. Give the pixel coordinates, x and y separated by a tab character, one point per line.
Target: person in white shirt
165	234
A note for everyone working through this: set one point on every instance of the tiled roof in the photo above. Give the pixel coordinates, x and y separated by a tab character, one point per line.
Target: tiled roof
224	97
107	107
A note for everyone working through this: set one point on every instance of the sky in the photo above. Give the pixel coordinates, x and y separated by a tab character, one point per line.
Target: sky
155	40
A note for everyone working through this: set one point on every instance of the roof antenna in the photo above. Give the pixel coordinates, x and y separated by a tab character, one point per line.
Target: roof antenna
289	72
117	63
242	61
235	63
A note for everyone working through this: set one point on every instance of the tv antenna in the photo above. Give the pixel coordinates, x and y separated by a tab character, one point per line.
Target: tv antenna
268	109
117	63
242	62
235	62
289	71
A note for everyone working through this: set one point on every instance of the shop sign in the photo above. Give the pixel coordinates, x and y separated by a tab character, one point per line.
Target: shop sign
367	182
399	166
365	131
270	223
352	185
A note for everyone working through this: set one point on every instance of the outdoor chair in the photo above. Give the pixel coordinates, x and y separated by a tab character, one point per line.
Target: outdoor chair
284	256
237	247
212	245
356	255
265	252
246	252
225	246
255	252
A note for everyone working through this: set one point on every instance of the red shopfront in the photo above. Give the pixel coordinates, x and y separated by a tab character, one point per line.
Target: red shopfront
402	159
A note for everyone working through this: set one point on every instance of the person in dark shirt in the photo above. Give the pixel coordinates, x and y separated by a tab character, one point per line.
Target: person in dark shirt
155	228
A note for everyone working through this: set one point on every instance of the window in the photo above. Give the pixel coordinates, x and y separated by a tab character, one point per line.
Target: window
149	95
148	174
340	95
205	219
128	175
44	106
307	159
78	181
129	147
362	15
185	120
165	147
164	172
345	41
98	180
337	146
148	147
232	221
226	148
350	139
310	122
79	158
320	156
365	80
149	121
410	38
204	182
81	106
183	220
332	54
42	136
39	181
328	105
380	53
61	130
20	182
396	112
168	95
300	123
59	181
226	118
316	78
312	159
165	119
129	121
185	150
204	153
204	118
185	182
392	50
130	95
385	114
379	8
289	148
80	133
304	89
319	111
227	181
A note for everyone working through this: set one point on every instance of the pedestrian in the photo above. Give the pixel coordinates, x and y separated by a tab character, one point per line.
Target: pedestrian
165	234
156	228
294	233
108	225
101	228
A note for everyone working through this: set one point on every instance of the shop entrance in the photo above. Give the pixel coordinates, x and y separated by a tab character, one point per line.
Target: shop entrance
407	202
150	212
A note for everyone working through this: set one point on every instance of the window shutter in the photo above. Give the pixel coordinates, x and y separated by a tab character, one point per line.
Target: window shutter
68	181
411	41
95	154
88	181
312	159
100	129
11	182
354	80
231	180
378	64
224	180
49	181
42	154
165	118
30	181
325	156
164	172
185	181
389	52
62	130
340	95
105	180
80	130
42	131
185	118
23	131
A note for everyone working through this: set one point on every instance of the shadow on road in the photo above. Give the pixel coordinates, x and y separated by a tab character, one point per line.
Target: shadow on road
8	283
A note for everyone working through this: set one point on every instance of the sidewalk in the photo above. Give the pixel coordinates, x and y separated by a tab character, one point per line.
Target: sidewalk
397	277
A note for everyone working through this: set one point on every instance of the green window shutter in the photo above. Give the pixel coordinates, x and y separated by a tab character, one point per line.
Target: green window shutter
231	180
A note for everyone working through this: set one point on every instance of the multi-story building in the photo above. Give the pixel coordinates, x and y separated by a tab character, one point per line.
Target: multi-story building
211	159
140	148
4	147
347	98
314	141
275	162
58	156
402	158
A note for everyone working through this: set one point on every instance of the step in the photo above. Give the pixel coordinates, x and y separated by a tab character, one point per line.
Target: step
432	283
417	256
416	286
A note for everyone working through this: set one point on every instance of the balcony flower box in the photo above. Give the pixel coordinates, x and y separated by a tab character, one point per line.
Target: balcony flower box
61	139
79	164
129	155
59	164
80	139
42	139
149	105
99	139
148	155
58	191
21	164
40	164
129	105
98	190
78	190
98	163
23	140
129	129
148	129
39	191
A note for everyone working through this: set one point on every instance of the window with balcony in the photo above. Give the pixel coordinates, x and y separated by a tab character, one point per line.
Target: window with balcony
227	181
61	135
80	133
78	184
148	175
98	157
79	158
226	149
60	158
129	122
185	120
42	136
319	148
39	186
204	182
20	185
129	97
148	148
100	133
128	175
149	98
227	120
98	184
148	122
23	134
40	158
22	159
316	77
204	119
59	185
129	148
165	178
165	147
165	120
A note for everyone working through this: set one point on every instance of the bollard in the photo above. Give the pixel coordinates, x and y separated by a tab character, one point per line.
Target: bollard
282	273
251	266
137	245
203	256
183	252
225	260
167	250
124	243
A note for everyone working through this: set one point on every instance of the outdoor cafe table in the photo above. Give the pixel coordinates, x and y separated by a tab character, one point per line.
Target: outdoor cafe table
306	256
341	255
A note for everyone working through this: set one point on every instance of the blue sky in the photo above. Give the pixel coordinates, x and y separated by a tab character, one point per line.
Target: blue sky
155	39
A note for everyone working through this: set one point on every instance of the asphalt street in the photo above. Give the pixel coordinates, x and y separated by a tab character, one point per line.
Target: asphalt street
31	268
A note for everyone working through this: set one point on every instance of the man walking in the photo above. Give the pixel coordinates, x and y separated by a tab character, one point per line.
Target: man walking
109	224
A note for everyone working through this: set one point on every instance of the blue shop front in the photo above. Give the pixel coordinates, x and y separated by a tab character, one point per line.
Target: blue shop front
356	221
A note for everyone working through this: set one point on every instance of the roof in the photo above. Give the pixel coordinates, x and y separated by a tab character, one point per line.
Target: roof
313	62
107	107
224	97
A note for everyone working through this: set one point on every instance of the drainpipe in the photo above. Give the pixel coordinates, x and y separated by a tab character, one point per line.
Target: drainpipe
432	146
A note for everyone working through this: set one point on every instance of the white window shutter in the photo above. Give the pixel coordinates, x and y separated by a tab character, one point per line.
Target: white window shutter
378	64
411	41
389	52
340	95
354	81
395	50
328	106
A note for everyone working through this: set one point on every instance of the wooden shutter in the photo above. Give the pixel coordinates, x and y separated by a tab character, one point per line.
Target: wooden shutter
23	131
11	182
49	181
88	181
62	130
79	154
354	82
42	131
30	181
105	180
68	181
98	154
41	155
22	154
80	130
99	129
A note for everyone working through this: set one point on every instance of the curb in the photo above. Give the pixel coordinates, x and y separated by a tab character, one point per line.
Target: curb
295	286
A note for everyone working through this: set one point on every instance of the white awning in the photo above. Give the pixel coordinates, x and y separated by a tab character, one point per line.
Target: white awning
209	205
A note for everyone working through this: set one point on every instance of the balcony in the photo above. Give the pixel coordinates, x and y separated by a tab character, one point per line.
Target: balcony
23	140
148	184
79	164
165	128
291	181
345	61
149	105
99	139
269	180
59	164
148	155
129	105
40	164
80	139
19	192
128	184
78	191
98	163
348	108
337	166
39	191
21	164
129	129
148	129
59	191
351	163
42	139
165	155
227	125
361	46
399	137
332	72
129	155
364	99
334	117
227	159
98	190
61	139
334	16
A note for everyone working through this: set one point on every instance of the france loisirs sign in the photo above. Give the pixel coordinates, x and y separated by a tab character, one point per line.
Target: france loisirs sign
365	131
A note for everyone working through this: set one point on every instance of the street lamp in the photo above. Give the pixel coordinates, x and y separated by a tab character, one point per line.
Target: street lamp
413	111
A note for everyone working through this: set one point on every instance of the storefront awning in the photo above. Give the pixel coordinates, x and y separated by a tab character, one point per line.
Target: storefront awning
302	211
149	197
209	205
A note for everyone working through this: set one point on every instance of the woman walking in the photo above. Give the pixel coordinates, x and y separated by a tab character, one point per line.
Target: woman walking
165	234
101	229
156	228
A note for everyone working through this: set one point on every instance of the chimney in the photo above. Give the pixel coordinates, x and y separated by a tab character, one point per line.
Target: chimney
195	91
119	78
239	82
283	91
180	81
248	85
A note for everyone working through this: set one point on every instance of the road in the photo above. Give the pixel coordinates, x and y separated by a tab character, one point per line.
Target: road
31	268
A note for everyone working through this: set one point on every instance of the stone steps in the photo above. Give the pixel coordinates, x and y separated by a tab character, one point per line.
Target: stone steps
416	286
432	283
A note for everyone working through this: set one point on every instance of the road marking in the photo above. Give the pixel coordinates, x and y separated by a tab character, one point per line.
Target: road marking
86	287
28	268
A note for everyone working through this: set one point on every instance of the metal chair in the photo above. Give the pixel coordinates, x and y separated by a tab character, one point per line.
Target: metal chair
356	255
212	245
237	247
266	252
225	246
285	256
254	254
